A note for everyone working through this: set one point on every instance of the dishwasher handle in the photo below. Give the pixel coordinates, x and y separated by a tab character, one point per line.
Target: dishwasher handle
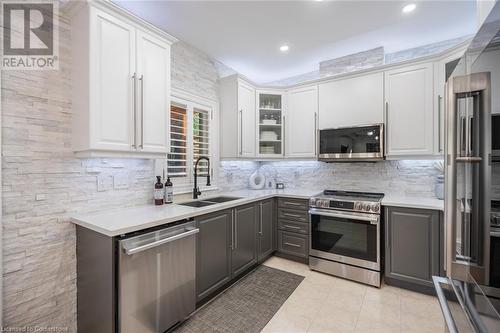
188	232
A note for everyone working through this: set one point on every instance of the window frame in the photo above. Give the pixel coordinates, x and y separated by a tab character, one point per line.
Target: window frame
192	102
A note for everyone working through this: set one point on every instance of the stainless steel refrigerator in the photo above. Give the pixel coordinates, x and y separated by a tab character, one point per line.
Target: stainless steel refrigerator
469	295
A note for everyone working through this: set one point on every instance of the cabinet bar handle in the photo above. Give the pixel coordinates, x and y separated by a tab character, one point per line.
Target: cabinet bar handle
134	77
291	244
386	126
142	112
291	226
235	231
260	227
241	132
315	133
283	139
292	215
232	230
292	203
439	122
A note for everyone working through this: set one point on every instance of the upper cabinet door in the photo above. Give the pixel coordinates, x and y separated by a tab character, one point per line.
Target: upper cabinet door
153	68
246	120
270	122
301	122
409	111
352	102
442	70
112	106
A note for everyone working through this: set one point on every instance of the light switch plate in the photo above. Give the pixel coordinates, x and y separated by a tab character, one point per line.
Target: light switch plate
104	183
121	181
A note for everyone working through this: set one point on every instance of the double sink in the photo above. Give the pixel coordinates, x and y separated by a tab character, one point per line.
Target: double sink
208	202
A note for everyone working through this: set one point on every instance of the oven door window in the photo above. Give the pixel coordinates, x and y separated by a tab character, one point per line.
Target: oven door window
346	237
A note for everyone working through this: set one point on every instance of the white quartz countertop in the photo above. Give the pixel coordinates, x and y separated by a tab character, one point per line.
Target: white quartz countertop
413	202
125	220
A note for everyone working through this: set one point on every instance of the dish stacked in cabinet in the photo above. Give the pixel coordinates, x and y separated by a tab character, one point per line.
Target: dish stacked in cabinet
293	228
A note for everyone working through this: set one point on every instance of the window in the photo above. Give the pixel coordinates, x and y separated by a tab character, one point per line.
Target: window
190	138
201	145
177	159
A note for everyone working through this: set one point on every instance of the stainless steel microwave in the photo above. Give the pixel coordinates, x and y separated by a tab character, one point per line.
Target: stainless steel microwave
359	143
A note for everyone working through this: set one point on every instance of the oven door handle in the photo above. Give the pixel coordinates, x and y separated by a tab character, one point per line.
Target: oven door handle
354	216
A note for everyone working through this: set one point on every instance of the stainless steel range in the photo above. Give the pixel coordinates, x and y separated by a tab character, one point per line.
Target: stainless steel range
345	235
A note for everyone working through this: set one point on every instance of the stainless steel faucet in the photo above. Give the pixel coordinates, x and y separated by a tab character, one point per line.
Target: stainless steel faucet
196	189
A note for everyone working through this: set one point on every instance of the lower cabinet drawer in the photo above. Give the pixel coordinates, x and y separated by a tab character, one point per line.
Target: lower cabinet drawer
294	244
293	226
295	215
300	204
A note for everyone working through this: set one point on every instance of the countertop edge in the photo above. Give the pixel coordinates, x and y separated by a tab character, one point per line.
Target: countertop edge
84	220
416	205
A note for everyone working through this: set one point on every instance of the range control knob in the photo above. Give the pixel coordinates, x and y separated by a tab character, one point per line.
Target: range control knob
375	208
358	206
367	207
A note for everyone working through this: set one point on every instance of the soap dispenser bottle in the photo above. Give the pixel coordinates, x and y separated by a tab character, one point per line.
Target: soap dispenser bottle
158	193
169	191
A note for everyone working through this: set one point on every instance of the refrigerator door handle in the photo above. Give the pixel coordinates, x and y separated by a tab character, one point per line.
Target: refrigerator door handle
443	303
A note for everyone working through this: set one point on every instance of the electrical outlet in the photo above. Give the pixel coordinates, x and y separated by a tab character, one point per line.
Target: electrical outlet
104	183
40	197
121	181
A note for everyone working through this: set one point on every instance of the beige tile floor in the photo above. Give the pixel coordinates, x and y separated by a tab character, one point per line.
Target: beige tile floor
323	303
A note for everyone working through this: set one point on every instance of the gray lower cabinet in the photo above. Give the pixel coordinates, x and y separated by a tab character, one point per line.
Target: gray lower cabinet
412	246
293	244
213	252
293	228
230	242
244	252
266	235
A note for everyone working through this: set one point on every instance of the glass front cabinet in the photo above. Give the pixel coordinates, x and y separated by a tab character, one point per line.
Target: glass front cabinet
270	124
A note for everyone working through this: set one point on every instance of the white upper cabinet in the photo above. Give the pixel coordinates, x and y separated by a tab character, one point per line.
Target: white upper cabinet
442	69
153	68
409	111
121	86
237	118
489	62
270	122
246	109
114	58
352	101
301	122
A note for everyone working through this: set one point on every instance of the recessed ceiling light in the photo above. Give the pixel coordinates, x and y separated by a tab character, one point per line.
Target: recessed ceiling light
284	48
409	8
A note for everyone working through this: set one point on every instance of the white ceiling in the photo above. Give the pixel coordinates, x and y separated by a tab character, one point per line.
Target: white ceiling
246	35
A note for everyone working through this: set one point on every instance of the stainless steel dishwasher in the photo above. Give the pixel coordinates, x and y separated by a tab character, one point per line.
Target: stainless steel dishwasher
156	286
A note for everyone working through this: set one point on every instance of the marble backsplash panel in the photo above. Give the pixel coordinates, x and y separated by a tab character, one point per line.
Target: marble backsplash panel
408	178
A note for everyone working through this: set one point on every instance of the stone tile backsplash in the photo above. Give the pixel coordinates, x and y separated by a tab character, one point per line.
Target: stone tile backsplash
409	177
